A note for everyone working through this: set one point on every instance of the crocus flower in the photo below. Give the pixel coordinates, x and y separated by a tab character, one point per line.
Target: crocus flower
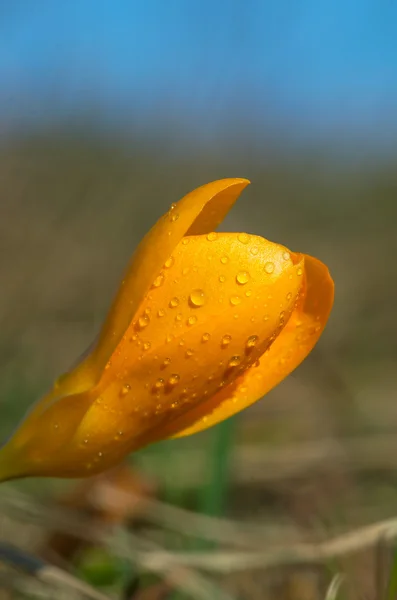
203	325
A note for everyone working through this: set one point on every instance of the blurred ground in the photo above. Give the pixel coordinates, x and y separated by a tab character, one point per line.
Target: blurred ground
318	453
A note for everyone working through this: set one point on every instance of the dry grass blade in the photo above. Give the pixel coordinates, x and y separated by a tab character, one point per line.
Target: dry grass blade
334	587
46	573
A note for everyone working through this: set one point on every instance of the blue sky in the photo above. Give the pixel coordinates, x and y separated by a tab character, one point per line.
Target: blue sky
313	69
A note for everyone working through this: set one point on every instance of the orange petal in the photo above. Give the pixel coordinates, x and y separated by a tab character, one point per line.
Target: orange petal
198	212
197	329
291	347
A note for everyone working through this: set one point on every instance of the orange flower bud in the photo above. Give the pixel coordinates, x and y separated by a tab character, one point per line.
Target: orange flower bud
203	325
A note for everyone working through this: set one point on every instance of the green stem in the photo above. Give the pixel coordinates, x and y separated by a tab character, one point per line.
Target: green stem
214	493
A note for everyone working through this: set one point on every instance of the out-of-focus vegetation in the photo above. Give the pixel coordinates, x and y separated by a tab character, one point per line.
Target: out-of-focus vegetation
317	455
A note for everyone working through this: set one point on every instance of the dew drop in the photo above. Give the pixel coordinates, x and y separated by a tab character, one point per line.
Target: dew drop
286	256
159	384
224	260
143	321
166	362
158	281
211	237
174	302
178	317
251	342
169	338
226	339
185	241
173	380
169	262
133	338
222	278
300	271
192	320
244	238
185	270
146	346
174	217
289	296
234	361
161	312
173	206
248	293
197	298
269	268
242	277
205	337
189	352
125	389
266	318
235	300
254	250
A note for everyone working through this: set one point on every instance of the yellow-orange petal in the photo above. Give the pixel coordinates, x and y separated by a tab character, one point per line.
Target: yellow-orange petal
291	347
204	326
198	212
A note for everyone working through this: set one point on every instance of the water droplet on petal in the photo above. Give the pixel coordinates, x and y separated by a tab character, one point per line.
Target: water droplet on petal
166	362
243	238
289	296
173	206
189	352
226	339
178	317
197	298
159	384
224	260
146	346
185	270
173	379
234	361
169	262
205	337
143	322
269	267
251	342
185	241
235	300
300	271
254	250
174	217
158	281
161	312
211	237
192	320
174	302
125	389
242	277
286	256
222	278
